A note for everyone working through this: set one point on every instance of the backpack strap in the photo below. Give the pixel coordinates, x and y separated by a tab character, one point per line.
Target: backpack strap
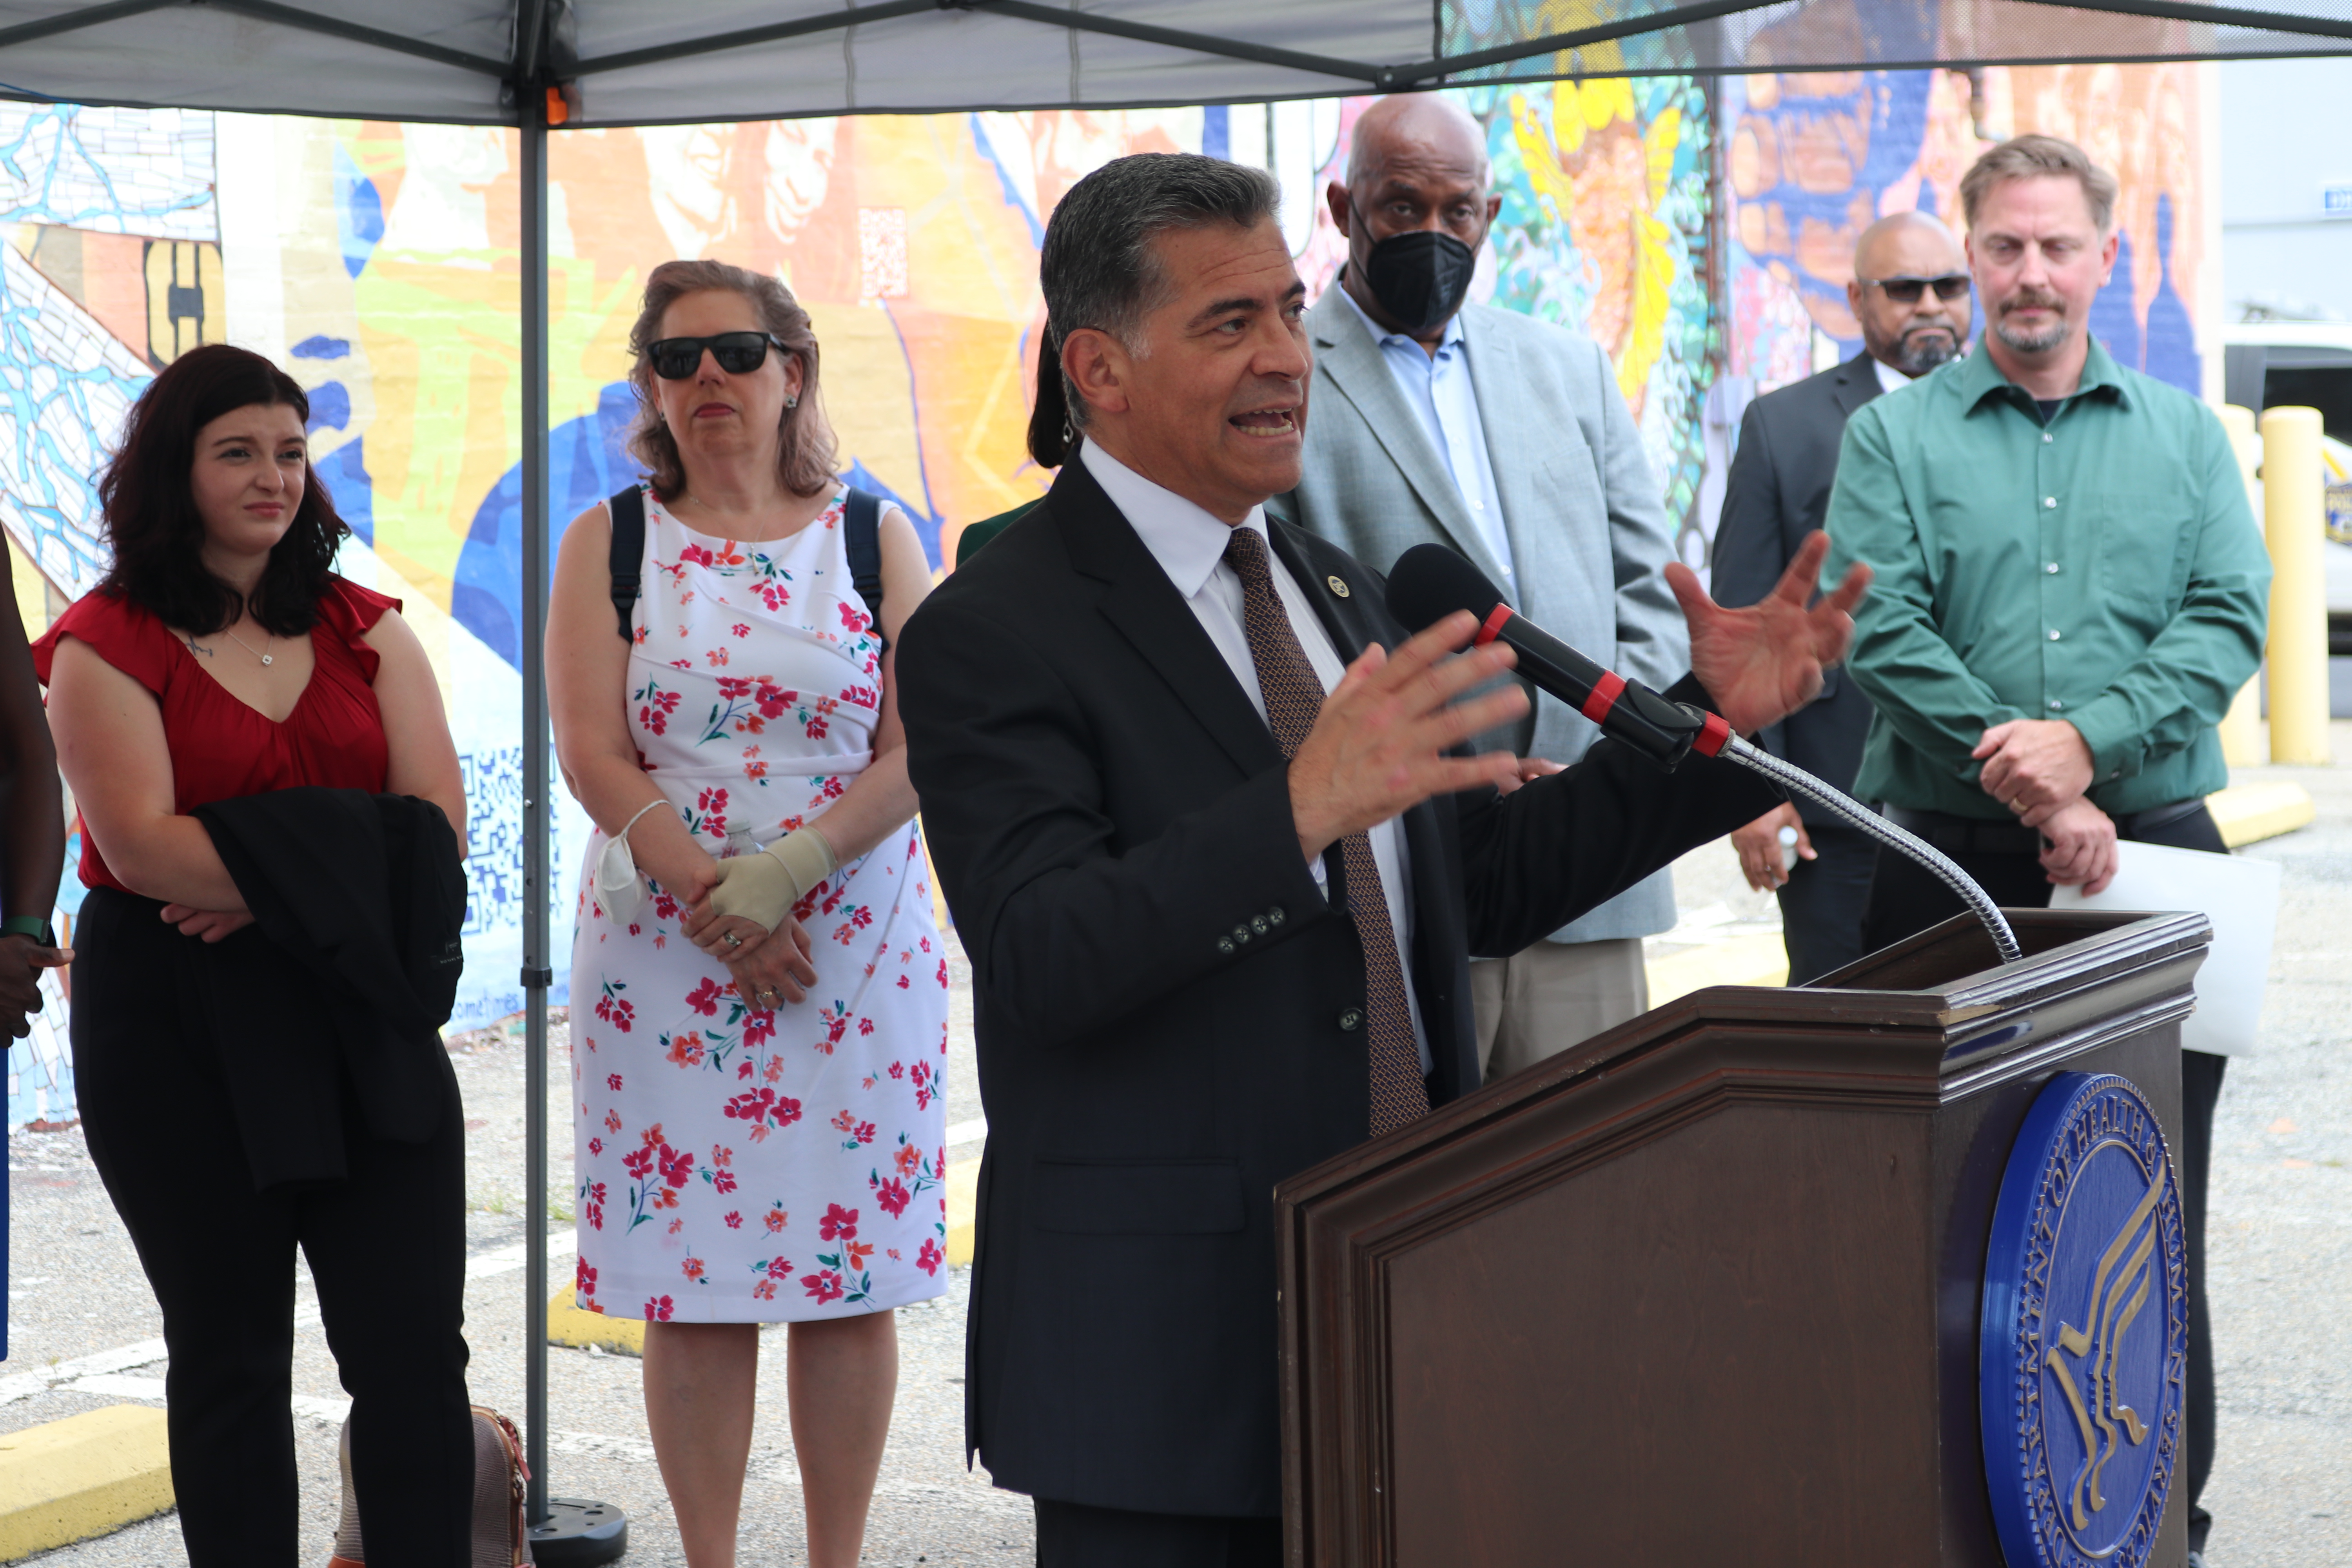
627	559
862	526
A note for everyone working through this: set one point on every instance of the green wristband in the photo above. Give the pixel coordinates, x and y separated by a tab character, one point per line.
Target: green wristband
38	927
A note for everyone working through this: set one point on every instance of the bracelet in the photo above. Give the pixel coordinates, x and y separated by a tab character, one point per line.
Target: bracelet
38	927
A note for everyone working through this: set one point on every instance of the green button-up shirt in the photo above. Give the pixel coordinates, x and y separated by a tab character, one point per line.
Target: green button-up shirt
2104	569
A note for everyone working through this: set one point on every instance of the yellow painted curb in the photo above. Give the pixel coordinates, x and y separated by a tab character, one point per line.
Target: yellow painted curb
568	1325
2248	813
963	1210
1760	959
86	1475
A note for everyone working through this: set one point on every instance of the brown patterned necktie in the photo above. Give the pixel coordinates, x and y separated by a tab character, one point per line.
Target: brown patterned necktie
1294	697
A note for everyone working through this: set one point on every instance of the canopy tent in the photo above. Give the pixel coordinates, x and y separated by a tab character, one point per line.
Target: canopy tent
699	60
538	64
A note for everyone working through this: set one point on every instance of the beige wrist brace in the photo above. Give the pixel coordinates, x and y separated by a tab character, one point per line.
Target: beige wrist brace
765	886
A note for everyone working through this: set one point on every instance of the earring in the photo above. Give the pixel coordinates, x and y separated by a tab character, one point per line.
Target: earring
1068	434
792	400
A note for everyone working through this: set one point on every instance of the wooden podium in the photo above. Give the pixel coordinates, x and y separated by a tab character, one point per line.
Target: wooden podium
1703	1290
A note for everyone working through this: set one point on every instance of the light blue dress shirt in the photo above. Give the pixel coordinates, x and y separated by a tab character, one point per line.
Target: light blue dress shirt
1438	388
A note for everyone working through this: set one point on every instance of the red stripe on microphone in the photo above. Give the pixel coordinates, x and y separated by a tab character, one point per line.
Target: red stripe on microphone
1605	692
1712	736
1494	626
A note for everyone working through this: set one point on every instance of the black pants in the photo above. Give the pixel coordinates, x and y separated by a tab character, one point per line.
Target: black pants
1822	902
1075	1535
1906	898
386	1245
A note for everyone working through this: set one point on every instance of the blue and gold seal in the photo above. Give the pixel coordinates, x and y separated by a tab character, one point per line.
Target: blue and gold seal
2085	1330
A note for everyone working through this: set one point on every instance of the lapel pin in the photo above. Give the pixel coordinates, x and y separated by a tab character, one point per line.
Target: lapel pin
1338	586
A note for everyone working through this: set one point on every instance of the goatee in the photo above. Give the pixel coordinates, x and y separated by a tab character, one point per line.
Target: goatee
1923	351
2059	329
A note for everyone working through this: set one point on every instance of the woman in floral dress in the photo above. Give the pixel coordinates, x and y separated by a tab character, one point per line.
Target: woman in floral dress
759	1122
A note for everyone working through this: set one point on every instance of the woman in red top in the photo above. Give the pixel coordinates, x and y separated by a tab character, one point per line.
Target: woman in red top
221	658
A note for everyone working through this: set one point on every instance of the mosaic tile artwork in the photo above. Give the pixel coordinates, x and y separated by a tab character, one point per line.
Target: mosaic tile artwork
145	171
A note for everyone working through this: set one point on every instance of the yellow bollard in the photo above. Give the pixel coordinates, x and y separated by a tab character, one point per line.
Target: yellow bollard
2241	728
2294	511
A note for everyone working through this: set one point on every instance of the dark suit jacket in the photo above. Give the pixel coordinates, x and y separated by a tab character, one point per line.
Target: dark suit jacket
1777	492
345	978
1163	998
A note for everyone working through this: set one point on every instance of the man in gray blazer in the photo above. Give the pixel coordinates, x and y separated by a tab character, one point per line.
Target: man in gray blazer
1506	438
1910	295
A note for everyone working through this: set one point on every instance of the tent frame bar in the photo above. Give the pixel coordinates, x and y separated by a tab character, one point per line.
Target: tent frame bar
75	21
2217	15
260	11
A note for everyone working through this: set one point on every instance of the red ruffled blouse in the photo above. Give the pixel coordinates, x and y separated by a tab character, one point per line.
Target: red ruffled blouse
222	749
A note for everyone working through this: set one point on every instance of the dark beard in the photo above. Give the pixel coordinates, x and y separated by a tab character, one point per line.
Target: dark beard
1923	351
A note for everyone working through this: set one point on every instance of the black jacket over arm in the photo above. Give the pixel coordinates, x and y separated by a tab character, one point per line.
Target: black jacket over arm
1159	986
342	983
1777	493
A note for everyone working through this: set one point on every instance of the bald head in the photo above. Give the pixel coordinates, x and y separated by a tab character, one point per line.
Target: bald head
1881	250
1416	165
1417	129
1908	254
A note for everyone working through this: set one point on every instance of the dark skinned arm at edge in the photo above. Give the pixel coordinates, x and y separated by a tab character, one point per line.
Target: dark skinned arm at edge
32	812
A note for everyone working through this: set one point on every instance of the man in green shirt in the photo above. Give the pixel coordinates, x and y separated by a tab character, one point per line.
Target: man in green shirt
2070	589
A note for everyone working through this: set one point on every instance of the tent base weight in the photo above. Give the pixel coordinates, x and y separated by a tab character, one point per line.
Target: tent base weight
579	1534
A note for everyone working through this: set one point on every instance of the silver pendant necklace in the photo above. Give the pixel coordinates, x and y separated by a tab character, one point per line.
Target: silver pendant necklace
248	648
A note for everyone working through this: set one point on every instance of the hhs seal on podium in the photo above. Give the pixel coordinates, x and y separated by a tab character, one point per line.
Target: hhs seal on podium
2085	1330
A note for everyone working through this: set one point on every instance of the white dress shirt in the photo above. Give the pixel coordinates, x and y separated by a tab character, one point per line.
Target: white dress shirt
1190	545
1438	388
1889	378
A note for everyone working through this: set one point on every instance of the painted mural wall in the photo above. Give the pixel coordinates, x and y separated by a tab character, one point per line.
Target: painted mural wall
379	264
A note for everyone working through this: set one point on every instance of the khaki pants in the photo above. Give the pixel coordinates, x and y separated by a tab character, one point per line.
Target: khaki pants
1555	994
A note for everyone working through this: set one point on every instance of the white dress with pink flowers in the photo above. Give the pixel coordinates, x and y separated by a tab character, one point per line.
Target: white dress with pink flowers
739	1164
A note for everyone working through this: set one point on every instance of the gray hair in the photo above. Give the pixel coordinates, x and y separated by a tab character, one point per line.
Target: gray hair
2031	157
1100	266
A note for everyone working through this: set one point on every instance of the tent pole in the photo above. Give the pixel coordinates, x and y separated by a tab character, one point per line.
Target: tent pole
537	970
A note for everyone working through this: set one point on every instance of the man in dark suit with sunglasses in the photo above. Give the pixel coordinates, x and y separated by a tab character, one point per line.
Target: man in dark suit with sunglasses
1910	296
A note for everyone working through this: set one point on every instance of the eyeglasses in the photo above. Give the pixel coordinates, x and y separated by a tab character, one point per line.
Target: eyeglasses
738	353
1951	286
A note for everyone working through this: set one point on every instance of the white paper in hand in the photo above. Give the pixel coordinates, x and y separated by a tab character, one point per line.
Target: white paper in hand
2239	896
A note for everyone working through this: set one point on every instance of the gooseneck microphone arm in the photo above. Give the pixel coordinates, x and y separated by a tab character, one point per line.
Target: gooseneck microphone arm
1430	582
1790	776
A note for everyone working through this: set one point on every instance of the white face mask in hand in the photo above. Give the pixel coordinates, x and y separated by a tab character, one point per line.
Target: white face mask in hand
621	887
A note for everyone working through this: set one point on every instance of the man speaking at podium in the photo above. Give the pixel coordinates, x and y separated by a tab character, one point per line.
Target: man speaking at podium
1201	811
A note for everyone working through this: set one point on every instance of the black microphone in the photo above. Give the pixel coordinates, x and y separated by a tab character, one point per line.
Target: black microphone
1430	583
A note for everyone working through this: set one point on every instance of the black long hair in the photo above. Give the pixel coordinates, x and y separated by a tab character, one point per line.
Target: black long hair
152	522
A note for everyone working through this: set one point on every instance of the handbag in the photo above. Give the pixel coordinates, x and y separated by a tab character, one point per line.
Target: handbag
499	1537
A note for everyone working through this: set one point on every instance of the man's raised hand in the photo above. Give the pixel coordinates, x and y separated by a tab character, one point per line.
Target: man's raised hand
1763	663
1378	747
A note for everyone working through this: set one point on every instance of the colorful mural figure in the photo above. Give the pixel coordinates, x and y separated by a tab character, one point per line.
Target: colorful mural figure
380	264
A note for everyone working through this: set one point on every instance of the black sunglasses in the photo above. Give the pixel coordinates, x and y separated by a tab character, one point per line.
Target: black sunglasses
1906	290
738	353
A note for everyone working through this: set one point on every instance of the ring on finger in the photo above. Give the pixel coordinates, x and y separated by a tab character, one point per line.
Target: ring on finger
731	940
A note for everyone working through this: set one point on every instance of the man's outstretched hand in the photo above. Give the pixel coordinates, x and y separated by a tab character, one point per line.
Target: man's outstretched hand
1379	745
1763	663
